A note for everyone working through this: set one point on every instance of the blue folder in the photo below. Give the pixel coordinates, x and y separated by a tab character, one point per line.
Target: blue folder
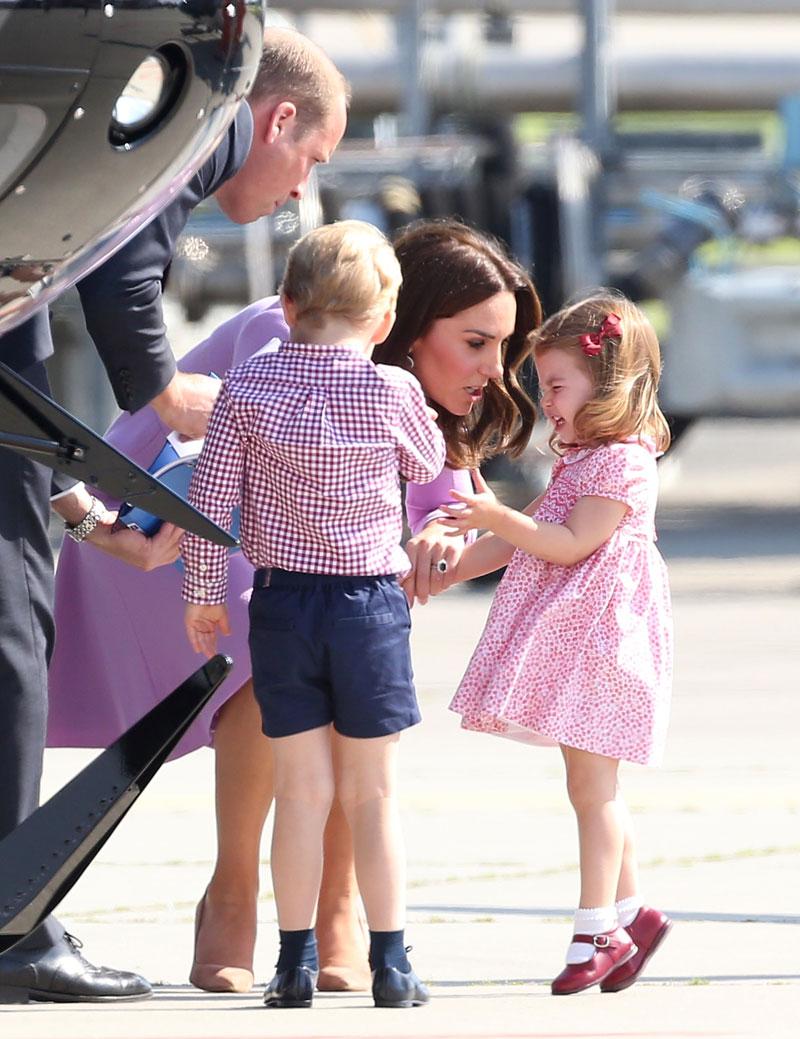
173	466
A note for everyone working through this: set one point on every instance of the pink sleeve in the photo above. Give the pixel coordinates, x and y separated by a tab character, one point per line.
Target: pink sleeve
618	471
424	501
215	490
420	444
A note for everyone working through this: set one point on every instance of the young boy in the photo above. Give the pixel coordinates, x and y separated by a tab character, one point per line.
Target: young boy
312	441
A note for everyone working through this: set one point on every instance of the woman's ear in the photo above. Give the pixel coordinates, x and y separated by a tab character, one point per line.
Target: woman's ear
280	118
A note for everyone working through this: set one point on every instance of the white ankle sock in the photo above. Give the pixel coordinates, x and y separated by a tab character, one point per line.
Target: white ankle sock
590	921
627	908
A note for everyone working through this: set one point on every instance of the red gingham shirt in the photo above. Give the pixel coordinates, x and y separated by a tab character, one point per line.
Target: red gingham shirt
311	441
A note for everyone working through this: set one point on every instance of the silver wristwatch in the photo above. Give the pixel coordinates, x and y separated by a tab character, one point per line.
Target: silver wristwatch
81	531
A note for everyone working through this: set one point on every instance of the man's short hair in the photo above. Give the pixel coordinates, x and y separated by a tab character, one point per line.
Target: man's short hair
295	69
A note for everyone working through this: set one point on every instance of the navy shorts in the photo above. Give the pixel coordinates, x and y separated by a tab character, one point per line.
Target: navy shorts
331	649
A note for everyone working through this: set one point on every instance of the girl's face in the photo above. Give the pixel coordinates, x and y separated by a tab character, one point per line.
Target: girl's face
459	355
565	386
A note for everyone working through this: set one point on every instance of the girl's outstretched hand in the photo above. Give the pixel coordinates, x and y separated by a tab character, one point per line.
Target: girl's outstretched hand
472	511
203	623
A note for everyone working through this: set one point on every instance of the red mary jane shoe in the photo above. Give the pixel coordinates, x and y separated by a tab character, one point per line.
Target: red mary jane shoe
611	950
648	929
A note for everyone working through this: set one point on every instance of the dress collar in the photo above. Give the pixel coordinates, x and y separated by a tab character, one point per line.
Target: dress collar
578	453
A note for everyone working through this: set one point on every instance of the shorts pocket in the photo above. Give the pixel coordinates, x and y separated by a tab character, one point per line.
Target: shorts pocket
267	614
365	620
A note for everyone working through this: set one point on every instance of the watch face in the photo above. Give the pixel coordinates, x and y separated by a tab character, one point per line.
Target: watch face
105	112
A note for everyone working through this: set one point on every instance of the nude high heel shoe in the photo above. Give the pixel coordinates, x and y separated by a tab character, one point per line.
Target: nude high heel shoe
216	977
343	943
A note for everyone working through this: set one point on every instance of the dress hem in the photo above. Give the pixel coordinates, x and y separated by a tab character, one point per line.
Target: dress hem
538	738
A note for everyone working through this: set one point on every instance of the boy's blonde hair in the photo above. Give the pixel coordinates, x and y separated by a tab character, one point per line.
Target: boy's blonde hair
346	270
625	368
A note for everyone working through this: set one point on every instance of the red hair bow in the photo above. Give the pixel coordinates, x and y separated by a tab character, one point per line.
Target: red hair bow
592	343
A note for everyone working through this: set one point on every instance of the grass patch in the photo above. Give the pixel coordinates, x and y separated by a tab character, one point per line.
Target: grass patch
536	127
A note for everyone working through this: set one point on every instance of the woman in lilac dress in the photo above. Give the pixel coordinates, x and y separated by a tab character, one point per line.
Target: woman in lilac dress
463	318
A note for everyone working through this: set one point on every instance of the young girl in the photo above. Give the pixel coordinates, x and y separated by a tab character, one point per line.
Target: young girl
577	649
312	439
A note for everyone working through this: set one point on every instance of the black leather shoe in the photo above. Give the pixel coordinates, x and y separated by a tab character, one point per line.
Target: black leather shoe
392	988
61	974
291	988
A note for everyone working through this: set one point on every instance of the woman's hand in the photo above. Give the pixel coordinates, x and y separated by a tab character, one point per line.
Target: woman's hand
427	551
472	511
202	624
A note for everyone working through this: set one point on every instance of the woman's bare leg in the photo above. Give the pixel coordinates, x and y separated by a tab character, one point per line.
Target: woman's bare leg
341	933
244	790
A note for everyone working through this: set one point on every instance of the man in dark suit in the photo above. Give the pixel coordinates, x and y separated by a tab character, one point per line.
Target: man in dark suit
295	117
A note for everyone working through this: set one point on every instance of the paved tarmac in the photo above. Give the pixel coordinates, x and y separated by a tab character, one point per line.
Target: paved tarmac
492	848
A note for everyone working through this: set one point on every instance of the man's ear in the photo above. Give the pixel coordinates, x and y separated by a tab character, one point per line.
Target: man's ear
280	118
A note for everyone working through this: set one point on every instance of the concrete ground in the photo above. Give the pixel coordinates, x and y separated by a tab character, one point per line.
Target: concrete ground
492	849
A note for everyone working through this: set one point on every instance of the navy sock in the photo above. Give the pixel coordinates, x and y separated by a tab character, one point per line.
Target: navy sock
298	949
388	949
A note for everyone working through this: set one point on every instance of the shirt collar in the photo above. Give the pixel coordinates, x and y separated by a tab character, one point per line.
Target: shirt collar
325	351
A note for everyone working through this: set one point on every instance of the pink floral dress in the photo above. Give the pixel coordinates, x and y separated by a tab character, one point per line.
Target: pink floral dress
582	655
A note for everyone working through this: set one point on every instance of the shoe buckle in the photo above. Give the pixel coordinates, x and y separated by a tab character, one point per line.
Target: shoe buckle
601	941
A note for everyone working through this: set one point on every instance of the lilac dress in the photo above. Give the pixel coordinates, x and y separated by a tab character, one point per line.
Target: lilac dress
121	646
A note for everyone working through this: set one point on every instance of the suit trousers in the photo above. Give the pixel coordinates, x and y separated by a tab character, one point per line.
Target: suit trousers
26	639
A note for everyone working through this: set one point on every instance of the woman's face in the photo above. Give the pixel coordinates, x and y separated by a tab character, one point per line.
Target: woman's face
459	355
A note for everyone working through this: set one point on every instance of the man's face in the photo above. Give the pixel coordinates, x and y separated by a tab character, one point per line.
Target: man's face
280	161
295	153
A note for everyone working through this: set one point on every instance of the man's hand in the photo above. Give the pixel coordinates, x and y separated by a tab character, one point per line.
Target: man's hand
185	403
130	546
203	623
426	551
133	547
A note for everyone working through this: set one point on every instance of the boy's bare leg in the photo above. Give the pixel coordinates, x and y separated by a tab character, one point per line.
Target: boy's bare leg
304	790
366	783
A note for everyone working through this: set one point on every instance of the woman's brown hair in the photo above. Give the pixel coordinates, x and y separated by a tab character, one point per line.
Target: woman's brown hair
448	267
625	368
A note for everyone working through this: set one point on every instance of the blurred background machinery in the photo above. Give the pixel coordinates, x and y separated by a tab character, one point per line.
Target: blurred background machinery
649	144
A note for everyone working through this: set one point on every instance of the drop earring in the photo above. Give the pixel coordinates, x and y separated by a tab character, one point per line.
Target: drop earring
410	362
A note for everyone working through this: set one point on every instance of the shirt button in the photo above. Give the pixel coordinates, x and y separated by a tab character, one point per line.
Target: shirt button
203	568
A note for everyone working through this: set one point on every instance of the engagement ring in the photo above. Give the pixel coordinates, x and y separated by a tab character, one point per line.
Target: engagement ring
440	567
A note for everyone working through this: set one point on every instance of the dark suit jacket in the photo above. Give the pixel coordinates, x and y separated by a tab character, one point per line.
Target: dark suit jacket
122	298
